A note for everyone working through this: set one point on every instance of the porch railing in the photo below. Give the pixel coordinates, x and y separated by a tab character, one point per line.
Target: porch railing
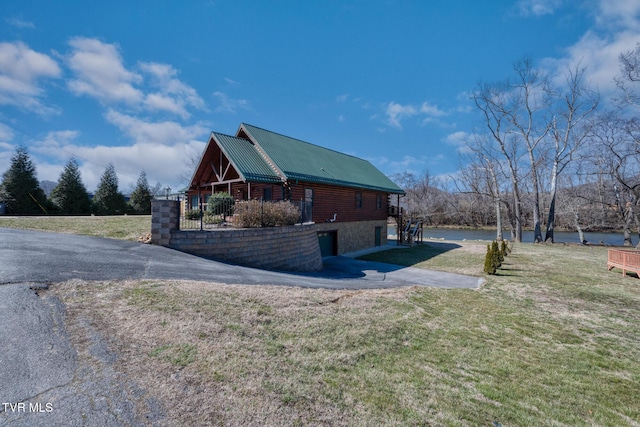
222	215
626	260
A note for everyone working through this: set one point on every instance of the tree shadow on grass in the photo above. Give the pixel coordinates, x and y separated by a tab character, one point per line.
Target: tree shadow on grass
411	256
509	270
374	266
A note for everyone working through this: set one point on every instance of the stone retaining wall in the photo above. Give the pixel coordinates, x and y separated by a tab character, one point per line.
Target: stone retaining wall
292	248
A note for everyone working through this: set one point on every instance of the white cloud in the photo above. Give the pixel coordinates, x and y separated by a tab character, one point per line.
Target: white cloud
460	140
154	87
165	132
538	7
163	162
20	23
408	164
457	138
6	152
231	82
396	112
431	110
159	147
6	133
619	14
617	31
342	98
174	95
600	57
21	70
379	161
100	73
230	105
161	102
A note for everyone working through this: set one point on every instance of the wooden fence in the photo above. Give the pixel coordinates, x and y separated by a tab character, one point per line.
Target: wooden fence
626	260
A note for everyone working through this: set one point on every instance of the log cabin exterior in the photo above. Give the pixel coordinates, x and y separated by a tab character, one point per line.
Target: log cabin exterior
346	197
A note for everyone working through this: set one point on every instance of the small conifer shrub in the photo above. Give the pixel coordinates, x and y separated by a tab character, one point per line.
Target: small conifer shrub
489	263
497	254
504	248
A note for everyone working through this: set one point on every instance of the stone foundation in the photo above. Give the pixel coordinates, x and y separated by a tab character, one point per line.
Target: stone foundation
356	235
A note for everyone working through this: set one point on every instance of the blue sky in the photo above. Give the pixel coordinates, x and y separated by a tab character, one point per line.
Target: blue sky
142	83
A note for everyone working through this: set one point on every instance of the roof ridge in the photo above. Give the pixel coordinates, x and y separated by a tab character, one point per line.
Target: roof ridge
305	142
230	136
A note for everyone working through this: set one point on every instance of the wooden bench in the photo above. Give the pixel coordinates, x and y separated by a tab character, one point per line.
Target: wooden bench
626	260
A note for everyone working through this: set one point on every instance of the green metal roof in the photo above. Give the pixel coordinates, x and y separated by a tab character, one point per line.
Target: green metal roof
303	161
246	159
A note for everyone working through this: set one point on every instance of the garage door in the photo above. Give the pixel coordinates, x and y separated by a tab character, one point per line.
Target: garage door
328	243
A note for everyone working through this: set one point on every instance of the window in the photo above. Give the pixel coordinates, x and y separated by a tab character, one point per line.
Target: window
358	200
308	195
306	207
266	194
195	203
378	201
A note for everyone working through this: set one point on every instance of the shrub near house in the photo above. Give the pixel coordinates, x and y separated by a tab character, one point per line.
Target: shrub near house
255	213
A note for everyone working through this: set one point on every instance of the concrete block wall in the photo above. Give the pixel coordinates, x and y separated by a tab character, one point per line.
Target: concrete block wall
292	248
165	218
356	235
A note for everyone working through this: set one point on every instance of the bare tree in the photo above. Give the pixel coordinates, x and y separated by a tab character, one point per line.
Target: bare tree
191	160
424	199
529	122
499	106
629	77
569	129
484	175
617	149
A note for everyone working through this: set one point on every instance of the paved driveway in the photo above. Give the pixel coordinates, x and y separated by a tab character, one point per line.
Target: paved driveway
31	256
45	382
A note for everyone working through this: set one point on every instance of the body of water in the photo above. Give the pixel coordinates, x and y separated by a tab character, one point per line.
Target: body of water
527	236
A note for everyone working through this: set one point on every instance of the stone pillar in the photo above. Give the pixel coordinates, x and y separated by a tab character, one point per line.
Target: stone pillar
165	218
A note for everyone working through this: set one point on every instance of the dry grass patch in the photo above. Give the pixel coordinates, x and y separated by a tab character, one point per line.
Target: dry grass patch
237	355
126	227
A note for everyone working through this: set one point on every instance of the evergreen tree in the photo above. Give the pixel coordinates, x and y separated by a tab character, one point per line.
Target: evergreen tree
497	255
108	200
70	195
489	261
20	190
504	249
140	200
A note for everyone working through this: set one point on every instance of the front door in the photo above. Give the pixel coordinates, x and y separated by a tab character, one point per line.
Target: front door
378	236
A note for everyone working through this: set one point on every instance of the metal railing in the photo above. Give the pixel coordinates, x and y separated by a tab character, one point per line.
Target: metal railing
223	214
